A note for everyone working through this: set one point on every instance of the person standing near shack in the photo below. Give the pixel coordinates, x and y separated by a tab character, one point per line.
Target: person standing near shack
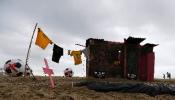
168	75
163	76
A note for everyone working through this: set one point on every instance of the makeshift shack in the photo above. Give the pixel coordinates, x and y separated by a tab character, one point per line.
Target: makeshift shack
120	59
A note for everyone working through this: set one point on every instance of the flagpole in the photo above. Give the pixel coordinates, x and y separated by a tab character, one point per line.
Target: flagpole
28	52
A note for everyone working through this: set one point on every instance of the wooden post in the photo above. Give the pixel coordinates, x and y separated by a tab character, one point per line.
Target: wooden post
28	52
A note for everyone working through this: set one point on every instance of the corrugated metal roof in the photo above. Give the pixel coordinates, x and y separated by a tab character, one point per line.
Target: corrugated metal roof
149	45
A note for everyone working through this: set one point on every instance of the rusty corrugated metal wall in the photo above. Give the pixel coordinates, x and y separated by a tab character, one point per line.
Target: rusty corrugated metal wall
118	59
105	56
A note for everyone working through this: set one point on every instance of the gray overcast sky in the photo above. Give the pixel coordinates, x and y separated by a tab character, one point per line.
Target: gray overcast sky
68	22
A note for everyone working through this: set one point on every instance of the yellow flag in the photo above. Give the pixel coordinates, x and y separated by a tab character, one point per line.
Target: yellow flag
42	40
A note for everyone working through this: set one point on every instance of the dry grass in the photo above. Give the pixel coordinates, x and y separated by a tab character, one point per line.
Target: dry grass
13	88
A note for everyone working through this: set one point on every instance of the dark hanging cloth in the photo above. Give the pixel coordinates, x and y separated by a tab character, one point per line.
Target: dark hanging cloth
57	53
150	89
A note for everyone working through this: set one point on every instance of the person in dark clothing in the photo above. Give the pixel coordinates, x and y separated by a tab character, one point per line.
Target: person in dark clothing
168	75
163	76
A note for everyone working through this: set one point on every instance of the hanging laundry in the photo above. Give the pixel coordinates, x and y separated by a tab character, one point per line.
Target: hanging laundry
85	52
77	57
42	40
57	53
69	52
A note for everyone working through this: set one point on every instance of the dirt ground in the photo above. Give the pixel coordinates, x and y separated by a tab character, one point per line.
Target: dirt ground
20	88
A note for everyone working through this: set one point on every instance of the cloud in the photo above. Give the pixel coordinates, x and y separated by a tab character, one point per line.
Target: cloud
68	22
